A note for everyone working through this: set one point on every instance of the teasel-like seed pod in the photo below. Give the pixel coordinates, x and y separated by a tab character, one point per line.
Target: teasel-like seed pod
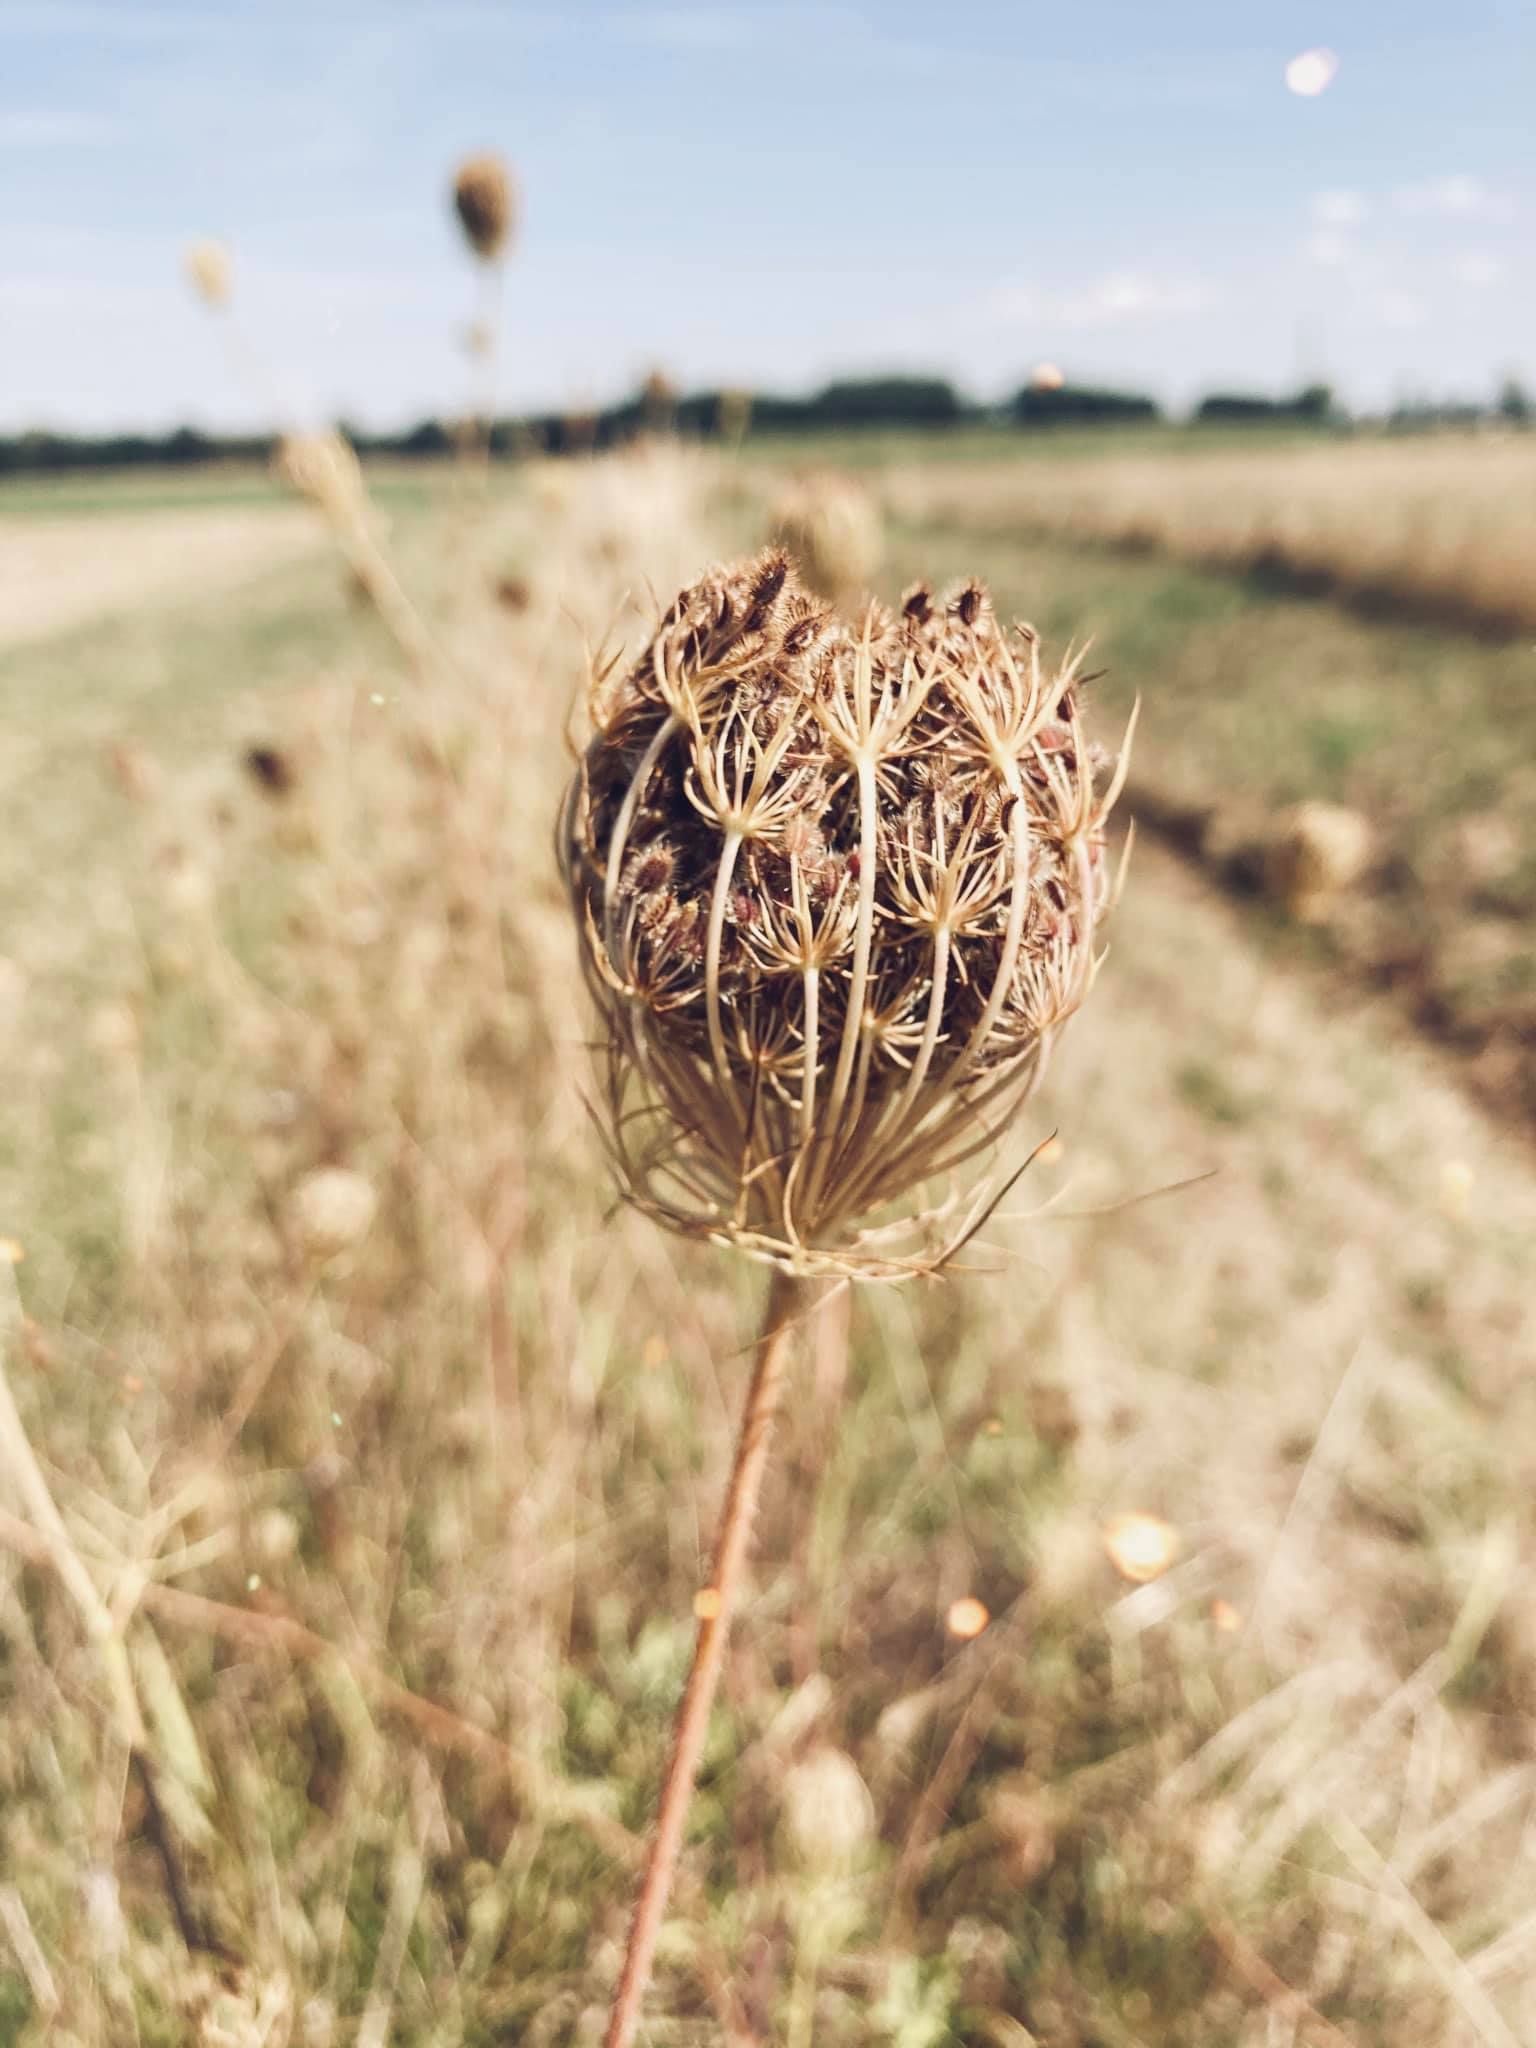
484	199
839	887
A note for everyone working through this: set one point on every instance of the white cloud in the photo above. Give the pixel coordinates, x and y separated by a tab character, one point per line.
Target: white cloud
1121	300
1343	207
1478	270
53	131
1458	197
1330	251
691	28
1401	309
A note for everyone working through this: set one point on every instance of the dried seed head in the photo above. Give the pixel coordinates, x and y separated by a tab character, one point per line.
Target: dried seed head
484	201
332	1210
208	272
837	897
322	467
1318	852
833	528
828	1814
271	769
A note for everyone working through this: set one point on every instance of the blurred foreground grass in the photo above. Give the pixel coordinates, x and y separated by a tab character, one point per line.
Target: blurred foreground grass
1281	1793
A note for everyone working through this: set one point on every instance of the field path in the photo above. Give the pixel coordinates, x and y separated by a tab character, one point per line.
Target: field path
59	574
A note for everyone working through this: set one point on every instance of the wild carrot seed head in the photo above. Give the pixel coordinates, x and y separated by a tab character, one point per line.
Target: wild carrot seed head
839	885
484	201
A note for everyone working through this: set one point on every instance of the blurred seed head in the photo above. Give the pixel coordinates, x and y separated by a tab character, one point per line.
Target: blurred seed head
322	467
835	533
271	769
733	415
208	271
828	1814
134	770
276	1536
484	200
1046	377
1319	851
332	1210
1457	1181
839	887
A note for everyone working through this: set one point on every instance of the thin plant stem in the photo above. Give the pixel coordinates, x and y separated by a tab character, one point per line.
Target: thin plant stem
788	1298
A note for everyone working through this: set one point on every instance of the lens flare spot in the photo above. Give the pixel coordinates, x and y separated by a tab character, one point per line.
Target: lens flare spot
1140	1547
1456	1180
966	1618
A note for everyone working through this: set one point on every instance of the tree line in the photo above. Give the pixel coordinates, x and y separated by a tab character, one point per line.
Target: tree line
930	403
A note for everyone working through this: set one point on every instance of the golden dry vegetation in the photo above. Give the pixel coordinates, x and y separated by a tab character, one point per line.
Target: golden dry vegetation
1443	528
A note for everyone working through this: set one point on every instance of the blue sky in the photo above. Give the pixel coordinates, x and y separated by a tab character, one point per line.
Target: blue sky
765	194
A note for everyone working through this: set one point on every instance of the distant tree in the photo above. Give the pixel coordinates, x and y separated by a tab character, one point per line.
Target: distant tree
1515	405
1043	405
1313	405
888	401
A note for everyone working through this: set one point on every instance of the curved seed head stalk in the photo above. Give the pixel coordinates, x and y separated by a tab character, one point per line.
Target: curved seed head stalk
839	887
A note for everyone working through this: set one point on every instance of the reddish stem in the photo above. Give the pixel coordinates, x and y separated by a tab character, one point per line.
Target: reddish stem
787	1297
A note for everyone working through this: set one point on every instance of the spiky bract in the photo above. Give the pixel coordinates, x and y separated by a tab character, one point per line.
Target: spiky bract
838	886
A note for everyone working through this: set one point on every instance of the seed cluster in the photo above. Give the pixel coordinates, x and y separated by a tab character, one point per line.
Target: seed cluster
839	884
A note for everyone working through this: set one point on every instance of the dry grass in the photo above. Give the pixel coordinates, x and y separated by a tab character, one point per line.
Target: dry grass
1444	529
1281	1793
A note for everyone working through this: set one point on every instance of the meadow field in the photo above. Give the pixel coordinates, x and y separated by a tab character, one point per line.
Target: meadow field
360	1454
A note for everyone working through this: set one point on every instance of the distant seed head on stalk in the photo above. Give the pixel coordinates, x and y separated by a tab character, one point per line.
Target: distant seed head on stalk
839	885
834	530
322	467
208	272
484	201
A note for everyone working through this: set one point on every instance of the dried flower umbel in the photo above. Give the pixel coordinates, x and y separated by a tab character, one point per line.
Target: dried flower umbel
840	888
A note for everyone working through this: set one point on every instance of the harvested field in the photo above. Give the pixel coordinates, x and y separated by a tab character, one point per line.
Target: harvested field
1441	530
61	575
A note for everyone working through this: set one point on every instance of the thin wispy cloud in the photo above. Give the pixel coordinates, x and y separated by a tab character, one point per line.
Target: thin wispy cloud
1458	197
1342	207
690	28
44	130
1478	270
1330	251
1124	299
1401	309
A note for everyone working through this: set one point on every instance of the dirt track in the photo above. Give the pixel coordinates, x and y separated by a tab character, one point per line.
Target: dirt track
56	574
